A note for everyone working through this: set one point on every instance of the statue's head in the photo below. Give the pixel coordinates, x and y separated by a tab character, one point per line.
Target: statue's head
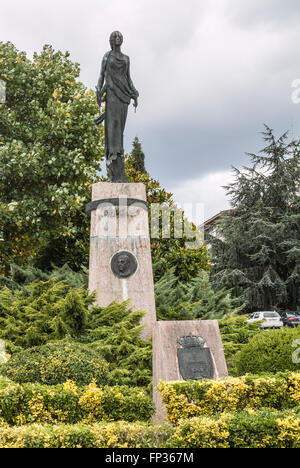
116	39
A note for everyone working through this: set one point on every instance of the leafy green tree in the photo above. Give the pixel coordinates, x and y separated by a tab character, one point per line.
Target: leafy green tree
258	251
170	252
49	155
194	300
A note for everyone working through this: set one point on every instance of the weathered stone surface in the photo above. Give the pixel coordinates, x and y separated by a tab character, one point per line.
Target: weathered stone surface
122	229
165	346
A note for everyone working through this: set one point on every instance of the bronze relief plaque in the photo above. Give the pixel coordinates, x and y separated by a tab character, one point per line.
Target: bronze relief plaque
124	264
195	361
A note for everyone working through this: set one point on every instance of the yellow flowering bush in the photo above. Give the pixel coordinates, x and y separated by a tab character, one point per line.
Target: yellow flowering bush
111	435
67	403
245	429
55	363
184	400
91	402
289	431
294	381
264	428
202	432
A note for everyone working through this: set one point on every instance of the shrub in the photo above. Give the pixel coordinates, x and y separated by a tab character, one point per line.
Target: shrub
19	278
69	404
44	312
184	400
112	435
236	333
192	301
246	429
55	363
270	351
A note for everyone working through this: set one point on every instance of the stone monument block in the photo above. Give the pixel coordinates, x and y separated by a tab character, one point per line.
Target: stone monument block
186	350
120	251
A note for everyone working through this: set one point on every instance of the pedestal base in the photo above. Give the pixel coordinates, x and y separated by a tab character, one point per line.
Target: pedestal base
165	356
119	239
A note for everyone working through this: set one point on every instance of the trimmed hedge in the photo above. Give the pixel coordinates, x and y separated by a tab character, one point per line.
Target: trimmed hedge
246	429
184	400
69	404
270	351
55	363
111	435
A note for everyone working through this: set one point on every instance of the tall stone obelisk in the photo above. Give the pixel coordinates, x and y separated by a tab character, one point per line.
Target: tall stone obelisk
120	254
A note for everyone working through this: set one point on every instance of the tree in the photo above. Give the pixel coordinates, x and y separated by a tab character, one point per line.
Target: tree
170	252
50	152
137	157
195	300
258	252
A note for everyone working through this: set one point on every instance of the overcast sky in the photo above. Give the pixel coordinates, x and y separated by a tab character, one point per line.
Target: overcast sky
209	73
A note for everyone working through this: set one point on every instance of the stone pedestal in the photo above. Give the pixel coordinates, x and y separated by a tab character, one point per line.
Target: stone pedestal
165	360
120	252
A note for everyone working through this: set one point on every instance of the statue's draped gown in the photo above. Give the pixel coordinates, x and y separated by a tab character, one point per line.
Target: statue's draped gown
119	92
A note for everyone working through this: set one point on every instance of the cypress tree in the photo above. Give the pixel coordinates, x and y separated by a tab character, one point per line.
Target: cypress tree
258	251
138	157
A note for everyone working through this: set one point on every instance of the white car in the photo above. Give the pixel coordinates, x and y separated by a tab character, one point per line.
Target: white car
267	319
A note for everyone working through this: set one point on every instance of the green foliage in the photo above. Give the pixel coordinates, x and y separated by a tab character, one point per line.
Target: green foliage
49	155
264	429
55	363
137	157
19	277
48	311
184	400
170	252
187	263
257	429
236	333
270	351
192	301
45	311
258	250
67	403
115	334
113	435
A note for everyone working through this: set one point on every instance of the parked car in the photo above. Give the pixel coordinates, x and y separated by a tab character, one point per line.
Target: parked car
267	319
290	319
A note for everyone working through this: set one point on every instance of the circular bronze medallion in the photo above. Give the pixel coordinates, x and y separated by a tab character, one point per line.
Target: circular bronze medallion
124	264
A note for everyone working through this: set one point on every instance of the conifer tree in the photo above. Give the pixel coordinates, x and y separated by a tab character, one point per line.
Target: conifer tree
258	251
194	300
137	157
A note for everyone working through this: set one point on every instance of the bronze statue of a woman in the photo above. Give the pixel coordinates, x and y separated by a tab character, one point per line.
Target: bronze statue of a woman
116	88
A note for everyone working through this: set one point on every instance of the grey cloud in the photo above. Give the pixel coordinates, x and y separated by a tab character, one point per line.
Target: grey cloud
209	73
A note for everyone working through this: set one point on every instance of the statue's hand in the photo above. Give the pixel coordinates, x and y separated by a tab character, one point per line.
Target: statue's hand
136	103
